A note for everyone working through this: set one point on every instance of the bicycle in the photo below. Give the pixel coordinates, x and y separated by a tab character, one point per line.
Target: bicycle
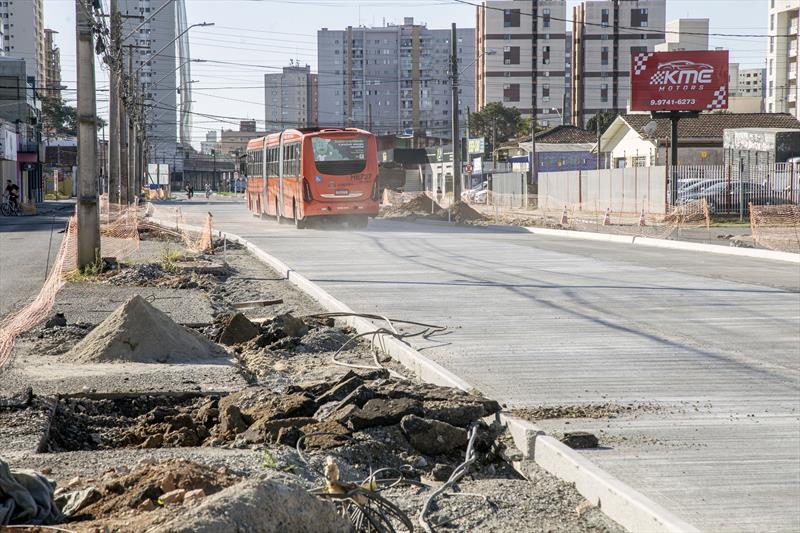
7	208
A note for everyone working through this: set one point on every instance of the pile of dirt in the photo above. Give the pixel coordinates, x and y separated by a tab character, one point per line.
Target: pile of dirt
138	332
422	205
462	212
158	487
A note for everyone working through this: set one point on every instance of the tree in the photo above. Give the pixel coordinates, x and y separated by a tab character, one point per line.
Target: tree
61	119
605	120
58	117
495	122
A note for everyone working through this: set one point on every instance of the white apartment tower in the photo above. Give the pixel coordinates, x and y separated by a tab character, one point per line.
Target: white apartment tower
685	35
157	73
605	34
516	50
783	57
290	98
23	36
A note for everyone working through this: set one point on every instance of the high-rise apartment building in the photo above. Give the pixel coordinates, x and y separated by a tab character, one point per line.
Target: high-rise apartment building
517	49
393	78
746	81
783	57
52	84
157	73
290	98
23	35
685	35
605	34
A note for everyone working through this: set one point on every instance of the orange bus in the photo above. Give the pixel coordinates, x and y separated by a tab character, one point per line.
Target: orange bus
313	173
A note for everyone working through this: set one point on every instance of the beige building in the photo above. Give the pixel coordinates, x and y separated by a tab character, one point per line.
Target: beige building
290	98
24	37
506	67
233	142
604	35
52	64
685	35
783	57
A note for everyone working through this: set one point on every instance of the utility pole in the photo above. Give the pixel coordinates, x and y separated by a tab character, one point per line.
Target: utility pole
123	151
455	133
113	107
88	216
534	84
131	129
597	123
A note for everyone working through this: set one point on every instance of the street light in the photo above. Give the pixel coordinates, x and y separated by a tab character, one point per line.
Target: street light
181	34
162	78
559	114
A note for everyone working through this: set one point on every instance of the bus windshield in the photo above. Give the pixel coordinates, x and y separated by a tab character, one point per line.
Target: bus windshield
340	156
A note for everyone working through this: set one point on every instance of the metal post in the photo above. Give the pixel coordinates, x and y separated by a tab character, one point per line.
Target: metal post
599	149
88	217
673	183
456	134
113	110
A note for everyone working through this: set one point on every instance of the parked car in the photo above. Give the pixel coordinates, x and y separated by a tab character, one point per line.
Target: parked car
476	194
726	197
689	192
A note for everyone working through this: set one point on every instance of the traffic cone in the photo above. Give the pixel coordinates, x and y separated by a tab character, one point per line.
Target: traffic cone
641	218
564	217
607	217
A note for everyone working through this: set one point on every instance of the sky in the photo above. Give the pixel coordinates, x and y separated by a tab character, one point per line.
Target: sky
271	32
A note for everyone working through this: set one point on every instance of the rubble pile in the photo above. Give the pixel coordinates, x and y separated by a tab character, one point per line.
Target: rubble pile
150	486
422	419
462	213
138	332
420	206
155	275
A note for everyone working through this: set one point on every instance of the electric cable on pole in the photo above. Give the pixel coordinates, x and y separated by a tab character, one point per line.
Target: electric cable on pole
113	106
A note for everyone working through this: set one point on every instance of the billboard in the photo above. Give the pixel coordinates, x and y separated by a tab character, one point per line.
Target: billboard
476	146
679	81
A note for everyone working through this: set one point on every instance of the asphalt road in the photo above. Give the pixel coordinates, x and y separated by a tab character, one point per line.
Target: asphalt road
28	245
705	347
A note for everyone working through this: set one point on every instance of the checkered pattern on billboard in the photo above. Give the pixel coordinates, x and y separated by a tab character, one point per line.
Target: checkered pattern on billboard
640	62
720	99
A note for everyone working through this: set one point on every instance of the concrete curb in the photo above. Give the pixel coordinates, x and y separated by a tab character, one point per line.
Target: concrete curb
756	253
717	249
618	501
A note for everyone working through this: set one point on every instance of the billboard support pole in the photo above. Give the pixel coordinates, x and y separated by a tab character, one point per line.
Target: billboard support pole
674	117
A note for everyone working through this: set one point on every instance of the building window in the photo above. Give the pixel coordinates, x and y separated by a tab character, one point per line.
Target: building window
545	55
639	18
604	93
604	55
511	18
511	55
546	17
511	92
639	161
604	18
546	92
638	50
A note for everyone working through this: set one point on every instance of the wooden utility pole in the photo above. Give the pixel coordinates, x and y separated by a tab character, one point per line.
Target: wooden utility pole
87	212
124	198
113	107
454	122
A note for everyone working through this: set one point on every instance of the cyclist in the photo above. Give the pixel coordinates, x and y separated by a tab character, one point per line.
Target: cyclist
13	194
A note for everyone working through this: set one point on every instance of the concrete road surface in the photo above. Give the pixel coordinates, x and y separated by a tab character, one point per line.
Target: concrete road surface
28	246
703	348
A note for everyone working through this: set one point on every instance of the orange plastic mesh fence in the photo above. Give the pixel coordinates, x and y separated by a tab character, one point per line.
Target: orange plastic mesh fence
194	230
119	232
21	321
776	227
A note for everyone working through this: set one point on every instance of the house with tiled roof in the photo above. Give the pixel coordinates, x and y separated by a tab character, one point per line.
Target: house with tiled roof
636	139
